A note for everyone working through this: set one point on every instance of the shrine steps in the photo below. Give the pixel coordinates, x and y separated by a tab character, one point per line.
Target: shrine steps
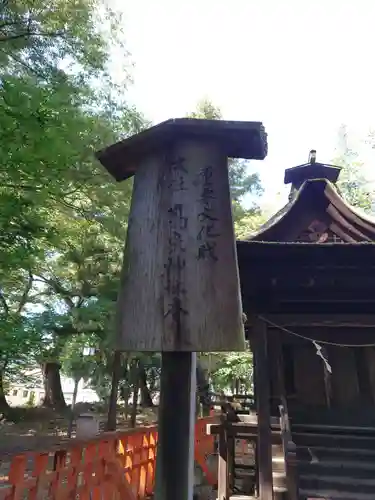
251	497
335	463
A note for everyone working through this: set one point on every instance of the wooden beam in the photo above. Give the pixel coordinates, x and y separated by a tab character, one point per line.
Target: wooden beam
349	336
243	431
263	409
284	277
268	302
253	254
326	320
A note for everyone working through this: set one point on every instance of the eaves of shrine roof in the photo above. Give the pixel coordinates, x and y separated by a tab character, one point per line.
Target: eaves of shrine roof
317	203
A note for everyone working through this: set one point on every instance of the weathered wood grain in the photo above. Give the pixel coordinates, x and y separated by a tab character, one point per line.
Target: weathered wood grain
264	445
180	289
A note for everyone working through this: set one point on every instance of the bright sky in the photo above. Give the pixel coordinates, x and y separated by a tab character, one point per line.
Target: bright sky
302	67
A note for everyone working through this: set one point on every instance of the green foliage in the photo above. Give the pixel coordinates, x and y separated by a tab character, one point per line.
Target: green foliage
19	339
63	219
42	187
39	36
352	183
31	401
78	357
242	183
18	343
249	224
232	369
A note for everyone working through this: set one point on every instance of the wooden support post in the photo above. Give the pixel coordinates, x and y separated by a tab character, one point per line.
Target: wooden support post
175	463
363	374
231	453
223	486
279	360
264	445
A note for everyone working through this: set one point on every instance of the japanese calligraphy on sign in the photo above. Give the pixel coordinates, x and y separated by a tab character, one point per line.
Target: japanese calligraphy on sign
180	279
178	171
207	233
176	247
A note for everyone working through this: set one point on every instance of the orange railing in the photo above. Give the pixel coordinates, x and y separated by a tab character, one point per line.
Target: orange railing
112	466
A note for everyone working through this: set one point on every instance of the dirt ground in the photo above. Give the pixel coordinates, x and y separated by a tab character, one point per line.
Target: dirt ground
42	427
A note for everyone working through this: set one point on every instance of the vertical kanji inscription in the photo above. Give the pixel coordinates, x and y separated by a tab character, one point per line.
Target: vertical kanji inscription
174	288
207	233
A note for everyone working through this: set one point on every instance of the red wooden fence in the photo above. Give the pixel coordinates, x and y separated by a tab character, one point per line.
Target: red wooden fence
112	466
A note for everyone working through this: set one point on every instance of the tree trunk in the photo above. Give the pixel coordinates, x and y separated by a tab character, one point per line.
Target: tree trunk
146	399
112	406
4	406
125	394
75	392
133	416
53	394
71	420
203	388
237	390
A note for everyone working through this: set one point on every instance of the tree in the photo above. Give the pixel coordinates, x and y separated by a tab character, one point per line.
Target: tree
52	119
19	340
77	364
58	105
234	371
241	182
37	179
352	182
80	290
249	223
37	37
54	113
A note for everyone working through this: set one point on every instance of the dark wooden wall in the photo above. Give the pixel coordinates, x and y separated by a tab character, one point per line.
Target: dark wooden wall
308	384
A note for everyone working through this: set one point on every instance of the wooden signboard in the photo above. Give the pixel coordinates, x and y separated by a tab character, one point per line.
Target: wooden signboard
180	288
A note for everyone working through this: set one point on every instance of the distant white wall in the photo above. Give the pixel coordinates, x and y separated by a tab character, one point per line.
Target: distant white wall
19	394
84	395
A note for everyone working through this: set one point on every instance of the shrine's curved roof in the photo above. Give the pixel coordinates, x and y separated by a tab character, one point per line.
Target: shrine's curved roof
316	213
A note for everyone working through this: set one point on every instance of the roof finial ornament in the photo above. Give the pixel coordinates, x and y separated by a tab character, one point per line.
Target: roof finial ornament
312	170
312	156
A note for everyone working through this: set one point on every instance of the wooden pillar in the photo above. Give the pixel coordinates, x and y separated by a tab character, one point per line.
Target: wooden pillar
223	486
370	358
278	359
363	373
175	462
264	445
